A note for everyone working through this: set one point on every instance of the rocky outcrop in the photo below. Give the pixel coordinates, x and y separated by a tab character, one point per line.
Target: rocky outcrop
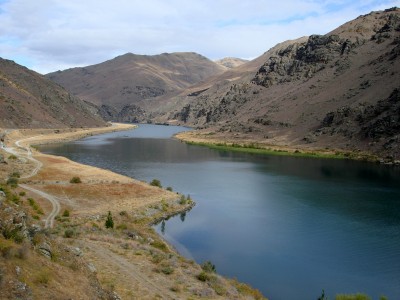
132	114
300	61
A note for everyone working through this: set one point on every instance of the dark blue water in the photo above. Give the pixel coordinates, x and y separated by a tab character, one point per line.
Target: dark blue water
288	226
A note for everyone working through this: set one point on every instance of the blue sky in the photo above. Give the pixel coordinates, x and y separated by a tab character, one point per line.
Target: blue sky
50	35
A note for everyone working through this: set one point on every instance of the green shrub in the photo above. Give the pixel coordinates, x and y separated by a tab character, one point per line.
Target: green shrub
208	267
75	179
169	189
203	276
167	270
15	175
22	194
15	198
156	182
109	221
159	245
12	156
182	201
66	213
357	296
13	182
69	233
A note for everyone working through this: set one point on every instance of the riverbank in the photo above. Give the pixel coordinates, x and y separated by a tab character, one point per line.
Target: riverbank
222	143
130	259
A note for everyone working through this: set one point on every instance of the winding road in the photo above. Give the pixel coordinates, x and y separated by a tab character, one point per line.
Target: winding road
49	221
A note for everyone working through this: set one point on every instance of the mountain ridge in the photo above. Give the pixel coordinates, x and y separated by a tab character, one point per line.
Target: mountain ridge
29	100
338	90
131	79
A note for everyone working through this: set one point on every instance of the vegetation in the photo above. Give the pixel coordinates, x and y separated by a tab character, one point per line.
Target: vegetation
12	182
109	221
204	276
13	157
35	206
208	267
75	179
352	297
156	182
245	289
259	149
159	245
184	200
69	233
169	189
15	175
66	213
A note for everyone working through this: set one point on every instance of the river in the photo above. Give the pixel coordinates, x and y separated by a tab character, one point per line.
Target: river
288	226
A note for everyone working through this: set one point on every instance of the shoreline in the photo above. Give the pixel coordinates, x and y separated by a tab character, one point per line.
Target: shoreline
136	207
195	138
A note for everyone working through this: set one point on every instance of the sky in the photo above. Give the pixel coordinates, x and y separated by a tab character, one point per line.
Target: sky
51	35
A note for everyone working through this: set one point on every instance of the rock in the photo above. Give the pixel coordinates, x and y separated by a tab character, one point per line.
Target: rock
2	194
22	291
150	240
18	270
115	296
45	250
91	268
203	292
77	251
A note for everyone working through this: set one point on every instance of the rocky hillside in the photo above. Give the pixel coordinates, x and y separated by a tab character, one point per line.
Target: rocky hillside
339	90
135	79
29	100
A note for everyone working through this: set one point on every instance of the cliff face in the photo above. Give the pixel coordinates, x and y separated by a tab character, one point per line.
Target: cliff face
337	90
29	100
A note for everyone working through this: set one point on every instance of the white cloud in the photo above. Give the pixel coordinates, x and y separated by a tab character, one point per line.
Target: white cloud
48	35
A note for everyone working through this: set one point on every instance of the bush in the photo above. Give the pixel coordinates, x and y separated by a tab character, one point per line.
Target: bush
357	296
66	213
203	276
75	179
13	182
22	194
167	270
15	175
156	182
69	233
109	221
169	189
159	245
12	156
208	267
182	201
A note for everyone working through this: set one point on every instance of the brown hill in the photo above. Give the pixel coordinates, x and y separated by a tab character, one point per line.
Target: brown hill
339	90
29	100
132	79
231	62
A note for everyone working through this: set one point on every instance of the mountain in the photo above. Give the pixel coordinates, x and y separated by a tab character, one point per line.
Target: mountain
133	79
340	90
29	100
231	62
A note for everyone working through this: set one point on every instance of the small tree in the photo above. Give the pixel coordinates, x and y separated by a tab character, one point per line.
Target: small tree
156	182
75	179
109	221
